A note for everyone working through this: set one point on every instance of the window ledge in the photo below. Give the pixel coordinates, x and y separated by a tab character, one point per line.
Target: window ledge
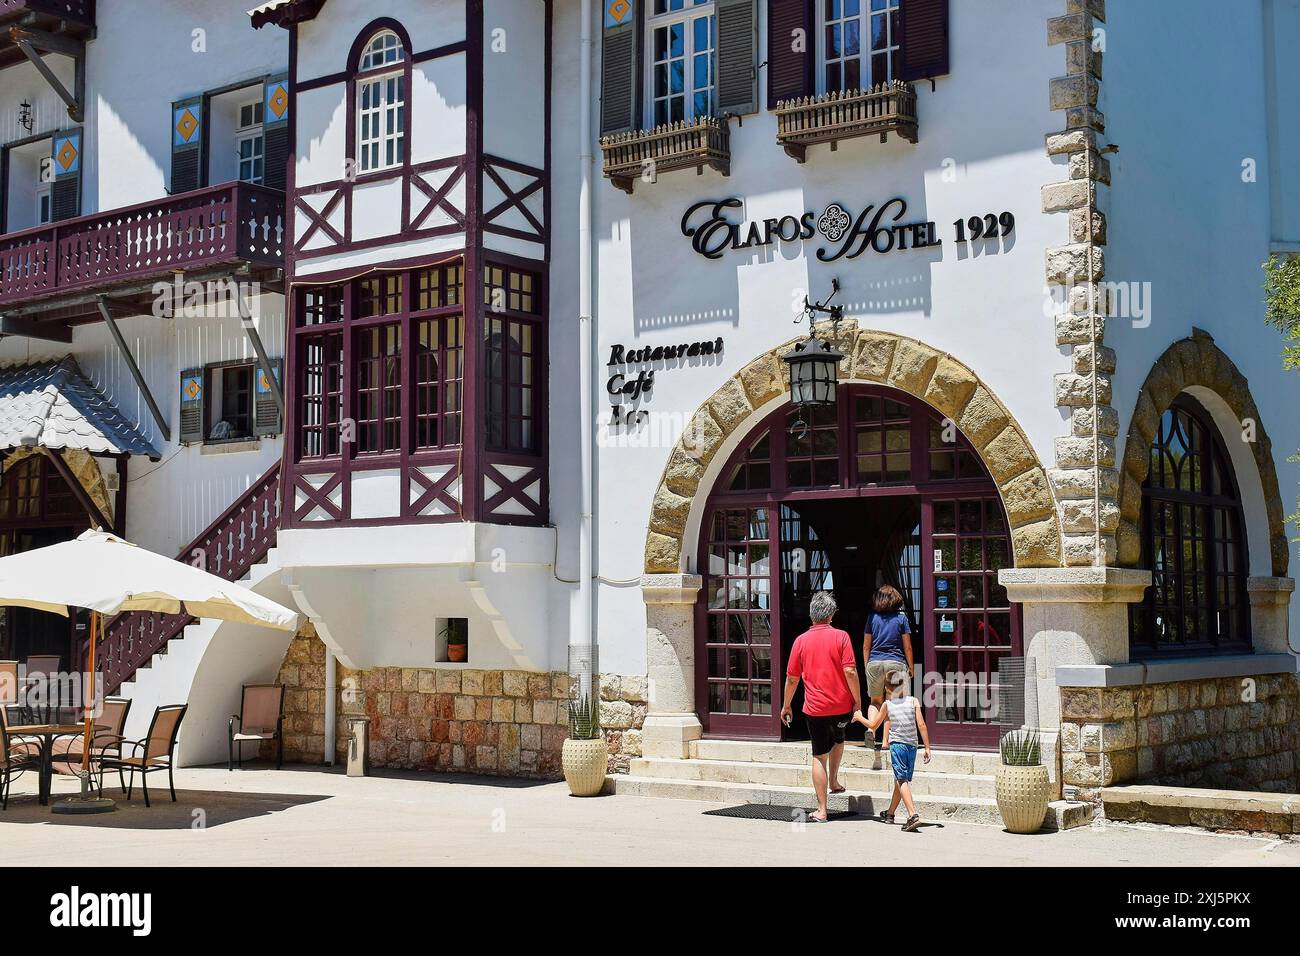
231	447
1139	673
831	117
705	141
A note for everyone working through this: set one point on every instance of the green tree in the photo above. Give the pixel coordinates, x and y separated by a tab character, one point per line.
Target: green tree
1282	297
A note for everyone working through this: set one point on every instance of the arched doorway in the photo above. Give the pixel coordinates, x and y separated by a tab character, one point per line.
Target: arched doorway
37	509
880	488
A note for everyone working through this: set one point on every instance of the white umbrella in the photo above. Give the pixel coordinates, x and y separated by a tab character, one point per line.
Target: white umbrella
105	574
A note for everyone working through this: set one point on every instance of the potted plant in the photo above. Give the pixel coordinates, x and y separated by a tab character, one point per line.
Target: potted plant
1022	784
456	633
585	754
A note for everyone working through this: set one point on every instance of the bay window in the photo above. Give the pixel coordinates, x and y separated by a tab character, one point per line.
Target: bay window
513	335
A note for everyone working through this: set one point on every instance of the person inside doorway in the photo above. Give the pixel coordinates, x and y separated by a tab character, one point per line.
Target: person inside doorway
822	657
889	638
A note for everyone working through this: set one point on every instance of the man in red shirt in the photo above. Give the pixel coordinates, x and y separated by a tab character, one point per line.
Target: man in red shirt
822	657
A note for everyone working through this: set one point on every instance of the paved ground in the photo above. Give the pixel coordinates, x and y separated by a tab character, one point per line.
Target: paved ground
307	816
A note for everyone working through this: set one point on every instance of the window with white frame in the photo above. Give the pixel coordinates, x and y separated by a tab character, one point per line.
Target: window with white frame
381	105
682	40
250	143
858	43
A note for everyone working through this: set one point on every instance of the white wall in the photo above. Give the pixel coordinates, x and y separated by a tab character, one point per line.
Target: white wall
324	42
514	80
1184	218
986	122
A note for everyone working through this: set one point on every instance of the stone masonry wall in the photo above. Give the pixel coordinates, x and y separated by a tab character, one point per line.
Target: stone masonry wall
441	718
1237	733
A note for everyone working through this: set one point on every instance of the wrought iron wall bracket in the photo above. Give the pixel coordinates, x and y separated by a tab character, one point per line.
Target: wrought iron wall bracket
103	302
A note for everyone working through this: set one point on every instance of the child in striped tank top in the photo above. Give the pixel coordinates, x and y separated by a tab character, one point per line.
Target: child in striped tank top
904	722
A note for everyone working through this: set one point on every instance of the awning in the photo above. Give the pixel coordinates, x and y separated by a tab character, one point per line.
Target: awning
284	12
52	404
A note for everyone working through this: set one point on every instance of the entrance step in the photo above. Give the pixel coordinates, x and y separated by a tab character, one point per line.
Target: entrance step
926	783
935	809
856	756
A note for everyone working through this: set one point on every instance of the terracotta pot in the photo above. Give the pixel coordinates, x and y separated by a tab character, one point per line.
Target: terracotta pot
456	653
1023	794
584	764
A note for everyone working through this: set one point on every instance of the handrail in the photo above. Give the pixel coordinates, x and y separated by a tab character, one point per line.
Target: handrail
81	11
218	224
241	536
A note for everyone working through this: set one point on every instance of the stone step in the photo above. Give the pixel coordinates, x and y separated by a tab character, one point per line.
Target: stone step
1209	809
856	756
938	809
926	782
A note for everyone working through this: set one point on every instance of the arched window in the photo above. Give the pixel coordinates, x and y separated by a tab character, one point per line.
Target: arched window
381	103
1193	542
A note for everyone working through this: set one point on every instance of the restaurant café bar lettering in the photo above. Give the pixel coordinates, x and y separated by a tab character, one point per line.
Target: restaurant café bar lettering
878	229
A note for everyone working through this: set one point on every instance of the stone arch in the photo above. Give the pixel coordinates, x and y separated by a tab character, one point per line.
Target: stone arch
1189	364
83	465
884	358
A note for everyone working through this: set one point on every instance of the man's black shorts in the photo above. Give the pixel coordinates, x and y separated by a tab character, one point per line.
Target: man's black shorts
826	732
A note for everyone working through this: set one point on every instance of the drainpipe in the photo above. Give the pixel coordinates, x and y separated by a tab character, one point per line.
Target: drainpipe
331	706
582	636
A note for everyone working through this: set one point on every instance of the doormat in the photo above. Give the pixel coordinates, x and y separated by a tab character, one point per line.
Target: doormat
769	811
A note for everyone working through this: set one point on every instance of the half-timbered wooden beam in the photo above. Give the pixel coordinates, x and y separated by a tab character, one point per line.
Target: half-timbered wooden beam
103	303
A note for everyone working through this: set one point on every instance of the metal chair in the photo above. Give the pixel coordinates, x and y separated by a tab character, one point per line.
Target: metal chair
156	751
16	757
107	741
260	717
43	672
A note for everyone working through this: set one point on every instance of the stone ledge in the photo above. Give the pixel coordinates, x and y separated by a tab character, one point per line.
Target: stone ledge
1139	673
1211	809
1081	585
670	588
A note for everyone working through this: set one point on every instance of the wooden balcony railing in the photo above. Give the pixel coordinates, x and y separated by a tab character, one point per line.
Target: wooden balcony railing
79	11
831	117
231	545
644	154
229	224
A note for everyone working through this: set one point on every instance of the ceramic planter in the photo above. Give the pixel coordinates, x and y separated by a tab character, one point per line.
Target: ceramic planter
456	652
1023	794
584	764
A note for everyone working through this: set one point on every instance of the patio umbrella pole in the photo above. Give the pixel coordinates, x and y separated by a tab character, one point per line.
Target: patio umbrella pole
85	802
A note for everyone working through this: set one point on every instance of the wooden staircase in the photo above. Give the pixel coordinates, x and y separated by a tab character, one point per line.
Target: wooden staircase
240	538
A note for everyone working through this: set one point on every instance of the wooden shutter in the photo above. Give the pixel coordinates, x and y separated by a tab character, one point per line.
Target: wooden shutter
620	86
737	56
194	389
791	50
266	413
275	131
65	168
924	42
189	145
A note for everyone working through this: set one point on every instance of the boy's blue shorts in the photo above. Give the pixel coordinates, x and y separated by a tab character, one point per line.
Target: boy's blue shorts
903	757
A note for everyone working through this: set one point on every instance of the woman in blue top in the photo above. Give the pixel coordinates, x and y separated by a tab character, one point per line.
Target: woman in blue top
890	638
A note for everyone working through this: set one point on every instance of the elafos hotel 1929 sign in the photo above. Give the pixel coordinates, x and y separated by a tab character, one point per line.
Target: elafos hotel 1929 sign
879	229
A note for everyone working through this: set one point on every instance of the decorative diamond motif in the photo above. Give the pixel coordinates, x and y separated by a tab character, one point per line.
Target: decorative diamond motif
278	102
67	155
192	388
619	9
187	125
833	223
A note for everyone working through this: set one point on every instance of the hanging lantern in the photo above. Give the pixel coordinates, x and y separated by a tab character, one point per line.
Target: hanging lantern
814	372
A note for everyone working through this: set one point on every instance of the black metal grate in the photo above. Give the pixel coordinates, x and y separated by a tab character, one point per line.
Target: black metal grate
769	811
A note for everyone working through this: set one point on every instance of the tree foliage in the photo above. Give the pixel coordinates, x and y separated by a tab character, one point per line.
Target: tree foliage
1282	298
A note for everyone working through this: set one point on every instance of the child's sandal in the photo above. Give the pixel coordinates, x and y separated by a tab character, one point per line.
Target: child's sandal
913	823
886	817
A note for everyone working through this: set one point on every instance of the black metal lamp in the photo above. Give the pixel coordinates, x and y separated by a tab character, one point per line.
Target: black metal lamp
814	364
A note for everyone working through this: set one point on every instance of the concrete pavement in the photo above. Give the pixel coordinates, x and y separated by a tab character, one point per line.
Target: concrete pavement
311	816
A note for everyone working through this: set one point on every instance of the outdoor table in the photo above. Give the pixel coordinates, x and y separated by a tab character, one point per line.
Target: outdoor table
46	733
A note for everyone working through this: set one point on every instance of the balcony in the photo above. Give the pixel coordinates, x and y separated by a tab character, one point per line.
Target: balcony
73	20
644	154
62	267
831	117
